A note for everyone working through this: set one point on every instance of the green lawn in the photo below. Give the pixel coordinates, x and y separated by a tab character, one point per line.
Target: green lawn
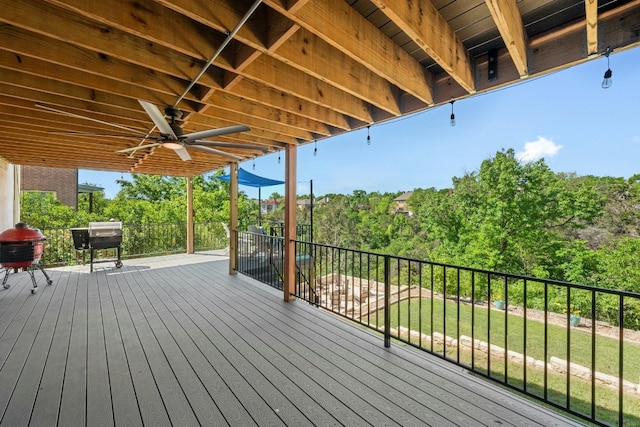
460	316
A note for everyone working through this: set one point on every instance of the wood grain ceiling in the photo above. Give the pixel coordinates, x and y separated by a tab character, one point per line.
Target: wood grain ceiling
295	72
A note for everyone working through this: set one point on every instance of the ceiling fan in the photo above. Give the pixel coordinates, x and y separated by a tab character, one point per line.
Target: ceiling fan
171	134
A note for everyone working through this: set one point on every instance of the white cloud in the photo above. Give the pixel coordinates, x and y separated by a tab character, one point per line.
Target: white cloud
541	147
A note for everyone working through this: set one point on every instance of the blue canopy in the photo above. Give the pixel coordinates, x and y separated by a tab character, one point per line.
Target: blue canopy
251	180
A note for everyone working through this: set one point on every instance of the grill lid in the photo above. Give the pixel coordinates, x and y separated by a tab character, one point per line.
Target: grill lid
21	233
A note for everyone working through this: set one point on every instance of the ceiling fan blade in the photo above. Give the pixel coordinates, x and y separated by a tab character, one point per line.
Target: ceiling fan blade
139	147
214	151
158	119
78	116
183	153
229	145
190	137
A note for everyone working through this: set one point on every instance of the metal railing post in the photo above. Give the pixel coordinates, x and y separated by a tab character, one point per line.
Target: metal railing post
387	302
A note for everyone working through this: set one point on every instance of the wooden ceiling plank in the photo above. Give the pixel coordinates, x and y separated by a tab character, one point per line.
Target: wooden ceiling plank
297	83
119	110
100	83
424	25
43	19
339	70
279	30
37	16
59	74
507	17
255	92
163	84
157	19
39	117
358	81
591	9
230	101
150	21
341	26
21	44
210	118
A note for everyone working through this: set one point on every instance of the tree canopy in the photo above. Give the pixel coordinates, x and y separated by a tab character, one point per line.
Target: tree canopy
510	216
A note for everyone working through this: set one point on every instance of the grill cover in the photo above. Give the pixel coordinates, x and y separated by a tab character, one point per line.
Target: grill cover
105	229
105	235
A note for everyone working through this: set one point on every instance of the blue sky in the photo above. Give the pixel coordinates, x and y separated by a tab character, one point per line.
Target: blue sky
565	118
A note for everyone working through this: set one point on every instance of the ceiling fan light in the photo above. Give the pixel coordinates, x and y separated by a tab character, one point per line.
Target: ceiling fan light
172	145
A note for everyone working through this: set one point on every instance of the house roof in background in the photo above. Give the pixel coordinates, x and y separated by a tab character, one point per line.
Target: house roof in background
86	188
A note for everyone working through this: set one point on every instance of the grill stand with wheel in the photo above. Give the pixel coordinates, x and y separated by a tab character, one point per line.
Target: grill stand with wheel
30	269
105	235
21	248
99	236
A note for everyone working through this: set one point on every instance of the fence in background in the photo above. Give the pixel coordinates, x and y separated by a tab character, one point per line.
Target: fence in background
139	240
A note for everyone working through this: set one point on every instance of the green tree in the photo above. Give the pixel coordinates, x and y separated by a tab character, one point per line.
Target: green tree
509	216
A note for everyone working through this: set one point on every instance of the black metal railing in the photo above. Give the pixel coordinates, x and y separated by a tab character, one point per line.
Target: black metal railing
138	240
303	231
261	256
572	346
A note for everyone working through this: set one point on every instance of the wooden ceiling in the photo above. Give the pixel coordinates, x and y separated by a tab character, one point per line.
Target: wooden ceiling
295	71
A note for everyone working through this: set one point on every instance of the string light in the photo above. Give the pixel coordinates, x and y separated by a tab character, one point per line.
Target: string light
452	121
278	157
607	81
315	148
368	136
254	163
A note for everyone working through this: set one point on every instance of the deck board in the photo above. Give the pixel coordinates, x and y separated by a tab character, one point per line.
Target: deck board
26	389
178	341
47	402
74	388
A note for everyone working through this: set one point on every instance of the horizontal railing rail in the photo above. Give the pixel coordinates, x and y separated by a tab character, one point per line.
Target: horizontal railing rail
138	240
573	346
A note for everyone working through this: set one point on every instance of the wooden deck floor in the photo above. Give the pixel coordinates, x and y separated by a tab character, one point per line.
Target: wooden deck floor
177	341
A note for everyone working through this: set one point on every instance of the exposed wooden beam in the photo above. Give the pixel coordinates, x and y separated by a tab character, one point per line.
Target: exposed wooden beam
311	54
201	44
591	11
42	18
509	22
283	39
420	20
342	27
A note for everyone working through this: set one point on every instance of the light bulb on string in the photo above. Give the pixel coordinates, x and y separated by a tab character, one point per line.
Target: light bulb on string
254	163
315	148
278	157
452	120
368	136
607	81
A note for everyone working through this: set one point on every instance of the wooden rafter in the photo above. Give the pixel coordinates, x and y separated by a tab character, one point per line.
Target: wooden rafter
343	28
506	15
295	71
423	24
591	11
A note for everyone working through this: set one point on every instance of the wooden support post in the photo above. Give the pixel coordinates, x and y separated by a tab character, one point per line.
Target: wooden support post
290	222
190	248
233	218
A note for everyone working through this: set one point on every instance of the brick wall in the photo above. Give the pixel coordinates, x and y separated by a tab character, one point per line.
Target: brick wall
62	182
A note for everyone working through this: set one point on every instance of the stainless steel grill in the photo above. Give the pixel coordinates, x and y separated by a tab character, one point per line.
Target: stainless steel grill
99	236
